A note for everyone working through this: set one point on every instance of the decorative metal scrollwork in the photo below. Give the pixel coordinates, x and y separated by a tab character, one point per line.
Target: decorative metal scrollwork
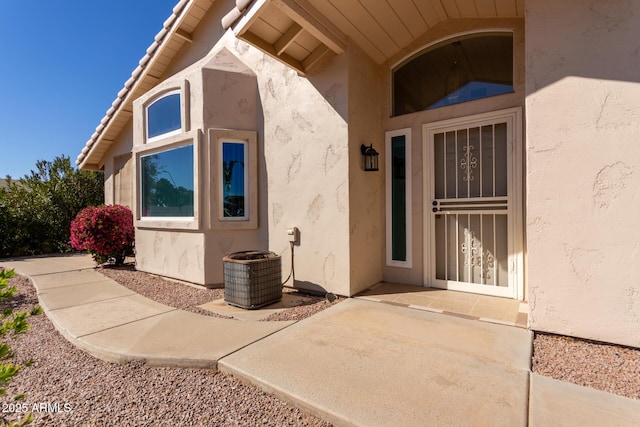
468	163
475	255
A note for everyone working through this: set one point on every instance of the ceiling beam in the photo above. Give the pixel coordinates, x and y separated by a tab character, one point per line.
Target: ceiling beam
302	12
184	35
315	58
287	38
267	48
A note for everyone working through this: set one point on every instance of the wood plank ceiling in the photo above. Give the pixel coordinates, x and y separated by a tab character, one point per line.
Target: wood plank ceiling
301	32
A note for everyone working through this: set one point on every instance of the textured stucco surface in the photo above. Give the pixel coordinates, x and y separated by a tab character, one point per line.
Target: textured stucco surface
305	180
366	189
303	162
583	126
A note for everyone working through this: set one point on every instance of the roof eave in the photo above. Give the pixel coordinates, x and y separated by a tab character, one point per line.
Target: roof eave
92	154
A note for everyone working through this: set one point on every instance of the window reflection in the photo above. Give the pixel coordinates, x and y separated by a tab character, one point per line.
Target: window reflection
163	116
167	183
234	179
458	70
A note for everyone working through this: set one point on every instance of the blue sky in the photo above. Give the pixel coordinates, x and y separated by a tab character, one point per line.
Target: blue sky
62	64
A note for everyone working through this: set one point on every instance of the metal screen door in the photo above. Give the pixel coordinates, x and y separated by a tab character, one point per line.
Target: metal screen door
471	207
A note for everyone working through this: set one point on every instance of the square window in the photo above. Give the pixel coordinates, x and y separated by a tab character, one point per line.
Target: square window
167	183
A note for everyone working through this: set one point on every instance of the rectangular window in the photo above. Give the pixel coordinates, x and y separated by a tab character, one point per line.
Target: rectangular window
234	179
398	182
234	172
167	183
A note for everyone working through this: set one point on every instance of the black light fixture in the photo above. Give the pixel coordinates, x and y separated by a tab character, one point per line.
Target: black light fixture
370	158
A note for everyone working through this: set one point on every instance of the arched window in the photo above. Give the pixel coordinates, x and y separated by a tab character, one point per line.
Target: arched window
164	115
458	70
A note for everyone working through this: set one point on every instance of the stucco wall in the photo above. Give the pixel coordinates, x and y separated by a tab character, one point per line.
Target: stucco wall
304	177
303	169
583	128
121	146
176	254
366	189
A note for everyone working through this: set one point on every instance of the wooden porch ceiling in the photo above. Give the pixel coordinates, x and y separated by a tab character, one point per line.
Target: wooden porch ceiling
301	33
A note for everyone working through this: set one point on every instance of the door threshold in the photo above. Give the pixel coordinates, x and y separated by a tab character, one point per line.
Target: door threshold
470	306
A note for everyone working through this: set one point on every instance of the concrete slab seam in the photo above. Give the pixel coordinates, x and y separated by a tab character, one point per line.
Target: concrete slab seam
60	272
128	323
89	302
439	311
44	291
293	322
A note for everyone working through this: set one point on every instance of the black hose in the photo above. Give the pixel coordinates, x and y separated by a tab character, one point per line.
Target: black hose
292	273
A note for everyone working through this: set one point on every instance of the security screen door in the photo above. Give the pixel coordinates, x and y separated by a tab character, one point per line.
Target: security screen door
473	236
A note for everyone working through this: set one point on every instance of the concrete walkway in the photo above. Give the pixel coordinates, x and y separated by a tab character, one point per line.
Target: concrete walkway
115	324
357	363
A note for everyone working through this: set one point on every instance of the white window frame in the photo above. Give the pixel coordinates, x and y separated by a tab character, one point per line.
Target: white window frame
169	143
181	89
216	202
408	262
246	171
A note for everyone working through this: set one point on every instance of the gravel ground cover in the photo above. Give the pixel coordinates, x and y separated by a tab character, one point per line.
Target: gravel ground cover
188	298
611	368
71	388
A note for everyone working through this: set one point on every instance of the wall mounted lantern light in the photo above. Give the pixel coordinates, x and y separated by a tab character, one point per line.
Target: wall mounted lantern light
370	158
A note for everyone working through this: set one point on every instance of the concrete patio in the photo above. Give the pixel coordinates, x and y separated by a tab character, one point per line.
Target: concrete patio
359	362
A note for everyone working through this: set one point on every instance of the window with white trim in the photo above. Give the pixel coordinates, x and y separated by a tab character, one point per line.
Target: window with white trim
234	179
167	183
398	197
164	116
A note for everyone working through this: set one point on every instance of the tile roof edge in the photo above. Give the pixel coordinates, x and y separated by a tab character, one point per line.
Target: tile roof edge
136	75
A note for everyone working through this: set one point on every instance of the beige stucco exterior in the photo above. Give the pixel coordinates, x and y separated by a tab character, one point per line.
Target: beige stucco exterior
575	96
583	124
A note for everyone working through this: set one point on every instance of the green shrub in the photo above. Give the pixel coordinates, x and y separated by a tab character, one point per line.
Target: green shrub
36	210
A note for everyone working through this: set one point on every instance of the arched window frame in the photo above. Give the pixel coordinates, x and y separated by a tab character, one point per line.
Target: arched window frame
182	91
438	43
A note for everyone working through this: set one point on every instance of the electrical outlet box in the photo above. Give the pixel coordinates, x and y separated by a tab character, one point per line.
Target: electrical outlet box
294	234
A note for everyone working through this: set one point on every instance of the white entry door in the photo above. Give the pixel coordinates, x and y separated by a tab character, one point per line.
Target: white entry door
473	215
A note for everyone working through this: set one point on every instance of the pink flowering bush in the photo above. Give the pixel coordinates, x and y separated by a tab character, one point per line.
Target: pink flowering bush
106	232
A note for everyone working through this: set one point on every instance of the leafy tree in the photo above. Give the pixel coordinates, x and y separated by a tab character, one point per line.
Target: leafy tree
36	210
